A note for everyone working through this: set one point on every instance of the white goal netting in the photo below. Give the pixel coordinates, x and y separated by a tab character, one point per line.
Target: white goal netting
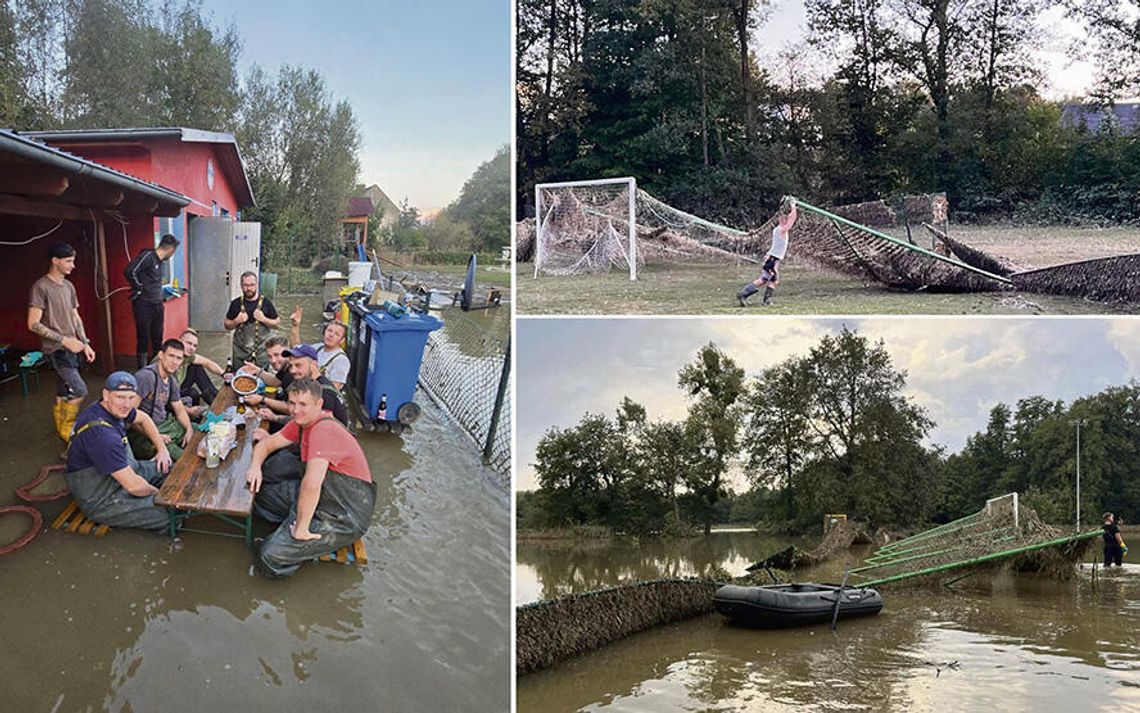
594	226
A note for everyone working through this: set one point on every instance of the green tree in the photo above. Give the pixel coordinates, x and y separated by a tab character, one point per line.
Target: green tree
485	202
302	158
713	383
779	440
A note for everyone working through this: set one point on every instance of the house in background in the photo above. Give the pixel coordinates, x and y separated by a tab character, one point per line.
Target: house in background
354	224
1122	116
206	170
381	201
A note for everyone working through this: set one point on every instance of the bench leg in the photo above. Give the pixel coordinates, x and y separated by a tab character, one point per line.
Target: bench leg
173	523
249	531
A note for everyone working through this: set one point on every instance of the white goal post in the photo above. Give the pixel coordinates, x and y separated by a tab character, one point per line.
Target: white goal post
578	224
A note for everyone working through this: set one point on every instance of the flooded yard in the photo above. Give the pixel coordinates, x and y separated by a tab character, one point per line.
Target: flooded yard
1011	642
138	622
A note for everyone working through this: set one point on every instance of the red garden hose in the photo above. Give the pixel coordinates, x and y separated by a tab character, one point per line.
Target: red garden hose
24	491
37	523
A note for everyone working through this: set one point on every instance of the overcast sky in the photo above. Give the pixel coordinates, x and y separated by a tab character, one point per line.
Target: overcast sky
429	81
958	368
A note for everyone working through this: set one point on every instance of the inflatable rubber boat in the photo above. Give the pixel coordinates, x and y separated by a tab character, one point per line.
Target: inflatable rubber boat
780	605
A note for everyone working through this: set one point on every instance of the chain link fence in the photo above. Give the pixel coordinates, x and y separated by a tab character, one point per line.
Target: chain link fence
466	369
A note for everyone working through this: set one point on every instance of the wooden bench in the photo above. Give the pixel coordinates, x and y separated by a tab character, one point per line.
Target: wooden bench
349	554
72	519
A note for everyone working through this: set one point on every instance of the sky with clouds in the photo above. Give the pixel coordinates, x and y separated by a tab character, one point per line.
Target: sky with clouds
429	82
958	368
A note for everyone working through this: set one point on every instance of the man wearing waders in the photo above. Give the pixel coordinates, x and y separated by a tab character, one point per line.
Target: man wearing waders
1114	547
770	274
251	317
109	484
53	315
144	274
330	506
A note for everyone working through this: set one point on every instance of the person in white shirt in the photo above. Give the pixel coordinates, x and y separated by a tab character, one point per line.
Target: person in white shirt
770	274
332	361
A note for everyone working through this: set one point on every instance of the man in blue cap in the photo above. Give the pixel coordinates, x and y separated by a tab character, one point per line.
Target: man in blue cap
109	484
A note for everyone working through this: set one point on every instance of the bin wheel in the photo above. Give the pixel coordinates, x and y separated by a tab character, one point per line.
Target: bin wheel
409	413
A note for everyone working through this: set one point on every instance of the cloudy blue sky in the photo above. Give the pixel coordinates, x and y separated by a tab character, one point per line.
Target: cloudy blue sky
958	368
429	81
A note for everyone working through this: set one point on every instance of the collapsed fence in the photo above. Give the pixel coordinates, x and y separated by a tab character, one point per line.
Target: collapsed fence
466	370
554	630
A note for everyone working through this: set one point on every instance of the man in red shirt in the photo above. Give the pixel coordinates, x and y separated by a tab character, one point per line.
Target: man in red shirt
331	505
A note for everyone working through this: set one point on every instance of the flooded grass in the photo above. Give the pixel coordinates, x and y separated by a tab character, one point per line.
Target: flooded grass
704	289
135	621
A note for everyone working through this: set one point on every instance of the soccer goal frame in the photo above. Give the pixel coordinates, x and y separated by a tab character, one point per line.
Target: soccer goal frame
631	222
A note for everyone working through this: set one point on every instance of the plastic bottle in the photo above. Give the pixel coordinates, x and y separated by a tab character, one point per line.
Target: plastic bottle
382	412
394	309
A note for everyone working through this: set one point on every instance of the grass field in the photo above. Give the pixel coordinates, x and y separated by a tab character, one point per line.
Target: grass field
804	289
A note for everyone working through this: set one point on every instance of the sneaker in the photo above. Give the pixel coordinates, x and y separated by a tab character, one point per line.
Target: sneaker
767	302
740	301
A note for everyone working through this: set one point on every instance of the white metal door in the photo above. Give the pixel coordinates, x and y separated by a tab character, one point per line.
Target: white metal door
245	254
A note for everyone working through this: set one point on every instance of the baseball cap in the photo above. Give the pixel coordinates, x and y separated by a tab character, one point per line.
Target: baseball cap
301	350
122	381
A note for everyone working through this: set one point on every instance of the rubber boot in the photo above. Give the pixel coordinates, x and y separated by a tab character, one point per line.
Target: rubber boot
57	414
68	413
768	295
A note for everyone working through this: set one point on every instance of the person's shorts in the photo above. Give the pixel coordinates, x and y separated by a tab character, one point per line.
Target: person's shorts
771	270
69	384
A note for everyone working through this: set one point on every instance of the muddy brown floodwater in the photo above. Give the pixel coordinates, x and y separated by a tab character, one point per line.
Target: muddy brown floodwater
1010	642
137	622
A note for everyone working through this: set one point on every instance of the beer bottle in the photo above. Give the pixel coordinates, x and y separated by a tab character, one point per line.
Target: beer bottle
228	372
382	413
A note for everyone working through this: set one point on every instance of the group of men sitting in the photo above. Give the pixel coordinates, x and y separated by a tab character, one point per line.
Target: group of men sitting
308	472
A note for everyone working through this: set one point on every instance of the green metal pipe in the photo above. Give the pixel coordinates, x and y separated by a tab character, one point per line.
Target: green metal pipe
939	528
900	560
935	532
984	558
887	556
903	243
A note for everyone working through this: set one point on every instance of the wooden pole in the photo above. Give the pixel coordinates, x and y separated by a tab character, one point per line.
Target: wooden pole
107	347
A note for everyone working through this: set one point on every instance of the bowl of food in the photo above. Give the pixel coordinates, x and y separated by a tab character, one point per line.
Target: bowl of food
246	384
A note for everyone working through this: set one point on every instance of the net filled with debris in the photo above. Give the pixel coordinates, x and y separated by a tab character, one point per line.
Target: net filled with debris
554	630
1002	533
838	539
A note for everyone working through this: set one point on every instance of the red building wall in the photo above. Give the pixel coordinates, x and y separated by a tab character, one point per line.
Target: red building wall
22	265
176	165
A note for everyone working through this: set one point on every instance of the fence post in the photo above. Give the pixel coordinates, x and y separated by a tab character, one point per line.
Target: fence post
504	375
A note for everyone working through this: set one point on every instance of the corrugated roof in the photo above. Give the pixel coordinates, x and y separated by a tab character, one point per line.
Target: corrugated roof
230	159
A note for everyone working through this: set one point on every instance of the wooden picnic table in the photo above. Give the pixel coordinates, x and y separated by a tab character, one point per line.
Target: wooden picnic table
193	489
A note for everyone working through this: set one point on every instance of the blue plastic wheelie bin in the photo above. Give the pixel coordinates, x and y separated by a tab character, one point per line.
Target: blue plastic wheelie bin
395	350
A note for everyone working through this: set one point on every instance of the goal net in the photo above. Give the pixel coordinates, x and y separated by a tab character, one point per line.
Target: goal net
585	226
593	226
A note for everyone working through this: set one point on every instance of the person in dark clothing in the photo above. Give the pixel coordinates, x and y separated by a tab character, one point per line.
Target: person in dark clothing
144	274
251	317
1114	547
109	484
196	388
302	365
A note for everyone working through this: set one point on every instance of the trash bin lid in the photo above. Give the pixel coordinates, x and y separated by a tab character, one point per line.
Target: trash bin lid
384	322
